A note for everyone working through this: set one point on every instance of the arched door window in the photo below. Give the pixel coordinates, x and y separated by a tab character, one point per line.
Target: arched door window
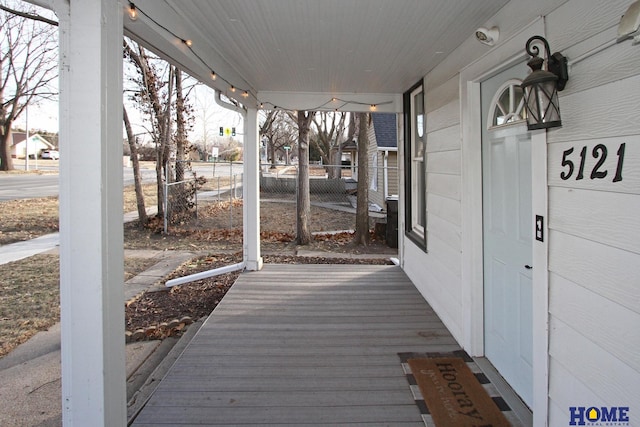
507	107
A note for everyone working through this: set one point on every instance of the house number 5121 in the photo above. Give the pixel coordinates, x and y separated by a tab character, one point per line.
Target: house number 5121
599	153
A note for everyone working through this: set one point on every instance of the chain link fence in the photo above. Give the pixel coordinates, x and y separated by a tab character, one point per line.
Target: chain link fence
216	189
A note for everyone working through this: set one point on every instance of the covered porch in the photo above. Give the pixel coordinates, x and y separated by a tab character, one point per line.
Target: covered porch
305	345
360	62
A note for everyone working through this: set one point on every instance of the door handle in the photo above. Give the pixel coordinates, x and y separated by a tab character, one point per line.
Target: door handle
528	267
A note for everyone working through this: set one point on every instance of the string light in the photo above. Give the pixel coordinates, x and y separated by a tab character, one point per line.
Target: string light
133	12
343	106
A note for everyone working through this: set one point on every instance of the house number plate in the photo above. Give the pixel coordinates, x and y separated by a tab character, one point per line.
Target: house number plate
606	164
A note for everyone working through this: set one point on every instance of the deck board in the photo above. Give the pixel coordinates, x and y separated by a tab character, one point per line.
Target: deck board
303	345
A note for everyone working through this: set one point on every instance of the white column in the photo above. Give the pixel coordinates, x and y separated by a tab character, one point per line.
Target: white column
251	192
91	230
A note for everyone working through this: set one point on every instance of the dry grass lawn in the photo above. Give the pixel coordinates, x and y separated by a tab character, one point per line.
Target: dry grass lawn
30	296
29	289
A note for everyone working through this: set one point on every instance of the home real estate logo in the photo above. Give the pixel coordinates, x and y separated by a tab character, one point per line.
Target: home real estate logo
602	416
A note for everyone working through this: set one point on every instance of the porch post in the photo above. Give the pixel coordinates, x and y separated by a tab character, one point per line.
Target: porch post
91	230
251	192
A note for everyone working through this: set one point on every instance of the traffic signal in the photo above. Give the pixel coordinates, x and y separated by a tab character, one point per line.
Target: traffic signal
233	131
221	131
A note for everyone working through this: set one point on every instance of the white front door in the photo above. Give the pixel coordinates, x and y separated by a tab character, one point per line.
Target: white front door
508	231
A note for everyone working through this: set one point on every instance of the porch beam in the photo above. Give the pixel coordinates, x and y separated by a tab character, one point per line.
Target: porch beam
330	101
251	192
91	230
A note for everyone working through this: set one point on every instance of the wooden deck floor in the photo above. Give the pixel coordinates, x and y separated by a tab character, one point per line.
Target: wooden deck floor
303	345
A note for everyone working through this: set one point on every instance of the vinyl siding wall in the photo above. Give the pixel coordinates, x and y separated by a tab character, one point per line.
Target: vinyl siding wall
594	225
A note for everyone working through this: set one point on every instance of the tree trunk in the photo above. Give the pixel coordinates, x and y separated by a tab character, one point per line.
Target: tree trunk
180	126
362	207
6	162
162	157
303	211
181	196
137	179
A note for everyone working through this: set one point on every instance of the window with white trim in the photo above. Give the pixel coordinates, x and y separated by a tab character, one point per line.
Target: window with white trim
507	106
415	177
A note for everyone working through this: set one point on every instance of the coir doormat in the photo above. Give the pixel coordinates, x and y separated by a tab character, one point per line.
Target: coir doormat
453	395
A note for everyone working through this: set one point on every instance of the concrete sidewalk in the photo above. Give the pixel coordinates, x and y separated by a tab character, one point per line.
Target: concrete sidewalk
20	250
30	376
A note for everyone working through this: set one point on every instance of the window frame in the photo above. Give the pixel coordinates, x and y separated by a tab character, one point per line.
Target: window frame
414	166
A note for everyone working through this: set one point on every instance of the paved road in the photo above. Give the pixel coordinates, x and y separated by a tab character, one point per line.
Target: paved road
27	186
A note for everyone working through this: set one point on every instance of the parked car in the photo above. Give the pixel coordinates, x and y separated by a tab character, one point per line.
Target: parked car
50	154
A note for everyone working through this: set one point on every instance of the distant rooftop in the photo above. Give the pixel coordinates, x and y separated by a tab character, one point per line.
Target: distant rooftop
385	128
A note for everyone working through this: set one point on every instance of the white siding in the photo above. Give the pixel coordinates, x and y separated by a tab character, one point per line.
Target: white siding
594	241
437	273
594	224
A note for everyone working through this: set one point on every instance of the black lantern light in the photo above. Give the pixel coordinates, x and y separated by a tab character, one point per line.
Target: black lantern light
541	86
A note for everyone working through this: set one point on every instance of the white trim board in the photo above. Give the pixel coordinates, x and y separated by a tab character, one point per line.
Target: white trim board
501	57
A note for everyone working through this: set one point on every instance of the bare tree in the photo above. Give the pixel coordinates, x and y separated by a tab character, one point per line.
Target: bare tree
181	125
280	131
362	207
153	97
303	211
137	179
28	67
330	128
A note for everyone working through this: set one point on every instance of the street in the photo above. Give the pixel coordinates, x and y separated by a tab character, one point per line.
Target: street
27	186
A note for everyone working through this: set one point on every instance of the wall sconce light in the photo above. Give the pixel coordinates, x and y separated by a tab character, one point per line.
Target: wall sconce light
541	87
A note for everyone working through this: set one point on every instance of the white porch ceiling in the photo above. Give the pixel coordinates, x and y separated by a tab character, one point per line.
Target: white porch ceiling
280	49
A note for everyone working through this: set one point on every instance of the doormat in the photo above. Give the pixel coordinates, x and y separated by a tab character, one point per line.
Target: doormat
453	395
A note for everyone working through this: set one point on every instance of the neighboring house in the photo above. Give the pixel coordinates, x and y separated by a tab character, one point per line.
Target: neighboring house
525	243
35	145
349	157
383	158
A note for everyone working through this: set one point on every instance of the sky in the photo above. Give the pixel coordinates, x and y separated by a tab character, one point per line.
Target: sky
208	115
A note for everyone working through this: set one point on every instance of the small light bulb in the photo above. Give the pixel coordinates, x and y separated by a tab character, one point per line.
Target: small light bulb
188	42
373	107
214	76
133	12
232	88
245	94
